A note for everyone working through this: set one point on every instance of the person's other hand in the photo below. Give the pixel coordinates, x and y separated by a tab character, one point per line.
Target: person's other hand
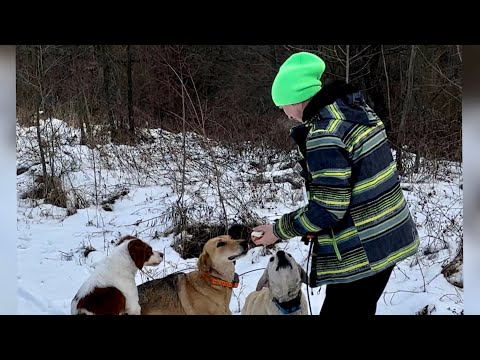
268	237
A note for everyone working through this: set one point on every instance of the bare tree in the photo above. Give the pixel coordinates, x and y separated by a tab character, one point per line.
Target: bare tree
131	121
406	108
103	55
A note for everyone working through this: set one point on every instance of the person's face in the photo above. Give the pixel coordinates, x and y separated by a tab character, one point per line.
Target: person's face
294	111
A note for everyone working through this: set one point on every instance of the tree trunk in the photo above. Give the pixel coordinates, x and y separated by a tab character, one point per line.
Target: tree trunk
406	108
82	130
347	64
40	148
41	103
183	217
388	88
78	108
102	53
88	123
131	122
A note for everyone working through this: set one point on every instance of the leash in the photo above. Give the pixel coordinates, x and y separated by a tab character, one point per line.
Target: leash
309	238
173	273
251	271
193	268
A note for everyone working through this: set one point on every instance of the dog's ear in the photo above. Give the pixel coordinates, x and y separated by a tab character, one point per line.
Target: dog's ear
303	275
204	262
263	282
140	252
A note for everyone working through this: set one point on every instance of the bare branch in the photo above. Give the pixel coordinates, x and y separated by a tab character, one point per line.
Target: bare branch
437	69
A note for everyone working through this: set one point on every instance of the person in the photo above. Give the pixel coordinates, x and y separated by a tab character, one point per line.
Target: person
356	212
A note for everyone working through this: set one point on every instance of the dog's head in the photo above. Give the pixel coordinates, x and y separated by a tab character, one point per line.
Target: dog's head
221	250
141	253
284	276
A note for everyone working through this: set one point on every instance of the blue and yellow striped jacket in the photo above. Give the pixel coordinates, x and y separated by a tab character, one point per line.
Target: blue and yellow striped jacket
356	205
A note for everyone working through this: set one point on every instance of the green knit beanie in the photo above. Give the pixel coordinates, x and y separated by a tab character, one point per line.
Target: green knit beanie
298	79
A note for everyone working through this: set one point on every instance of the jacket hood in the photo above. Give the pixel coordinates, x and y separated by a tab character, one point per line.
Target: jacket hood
347	100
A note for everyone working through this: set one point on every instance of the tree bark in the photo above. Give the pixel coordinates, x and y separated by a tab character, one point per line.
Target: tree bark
40	147
131	122
101	52
405	111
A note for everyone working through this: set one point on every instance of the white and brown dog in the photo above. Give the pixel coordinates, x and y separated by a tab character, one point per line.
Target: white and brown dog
111	288
279	290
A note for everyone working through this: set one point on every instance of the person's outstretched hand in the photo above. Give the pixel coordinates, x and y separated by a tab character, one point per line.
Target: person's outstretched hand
268	237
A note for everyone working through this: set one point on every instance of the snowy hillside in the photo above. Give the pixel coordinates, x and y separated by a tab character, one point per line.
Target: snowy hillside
137	191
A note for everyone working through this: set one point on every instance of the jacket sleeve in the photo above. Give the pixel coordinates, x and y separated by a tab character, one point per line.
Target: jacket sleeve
329	191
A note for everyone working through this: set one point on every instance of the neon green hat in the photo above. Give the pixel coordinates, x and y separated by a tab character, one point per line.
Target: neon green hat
298	79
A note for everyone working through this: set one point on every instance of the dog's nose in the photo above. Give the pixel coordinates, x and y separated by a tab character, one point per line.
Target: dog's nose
282	259
244	244
161	254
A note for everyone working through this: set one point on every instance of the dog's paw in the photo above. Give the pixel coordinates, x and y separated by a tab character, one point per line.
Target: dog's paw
135	310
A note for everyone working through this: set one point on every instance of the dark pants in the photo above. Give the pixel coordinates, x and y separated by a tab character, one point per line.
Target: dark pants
358	298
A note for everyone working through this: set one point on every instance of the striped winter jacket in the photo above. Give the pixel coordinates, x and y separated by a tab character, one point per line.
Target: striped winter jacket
355	203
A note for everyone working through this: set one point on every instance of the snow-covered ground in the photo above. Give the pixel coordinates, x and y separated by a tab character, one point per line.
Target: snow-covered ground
253	182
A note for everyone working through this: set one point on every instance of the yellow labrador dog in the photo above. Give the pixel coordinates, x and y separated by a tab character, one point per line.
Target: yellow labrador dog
206	291
283	293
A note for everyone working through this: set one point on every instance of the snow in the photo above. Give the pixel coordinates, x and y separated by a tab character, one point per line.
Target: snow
56	252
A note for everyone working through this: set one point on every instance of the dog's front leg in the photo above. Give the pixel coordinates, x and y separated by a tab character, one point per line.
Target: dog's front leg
132	306
134	309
